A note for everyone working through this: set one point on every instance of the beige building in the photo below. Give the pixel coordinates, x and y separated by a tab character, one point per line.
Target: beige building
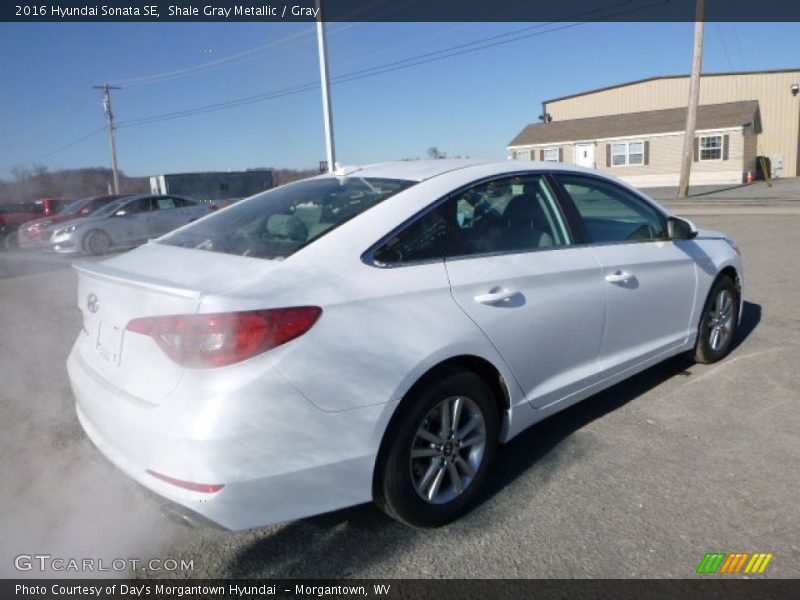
635	108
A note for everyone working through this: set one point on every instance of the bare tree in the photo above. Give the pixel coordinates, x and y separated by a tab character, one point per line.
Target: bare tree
433	152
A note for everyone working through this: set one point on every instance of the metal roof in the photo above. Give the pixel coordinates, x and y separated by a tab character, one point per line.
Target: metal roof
646	79
709	116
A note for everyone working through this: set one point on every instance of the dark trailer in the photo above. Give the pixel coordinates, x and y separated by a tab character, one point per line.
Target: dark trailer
220	187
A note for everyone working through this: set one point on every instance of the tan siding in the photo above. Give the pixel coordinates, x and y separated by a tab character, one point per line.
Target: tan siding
566	150
780	111
664	160
665	156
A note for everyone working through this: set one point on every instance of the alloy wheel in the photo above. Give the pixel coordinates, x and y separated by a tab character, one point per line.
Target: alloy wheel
720	322
448	449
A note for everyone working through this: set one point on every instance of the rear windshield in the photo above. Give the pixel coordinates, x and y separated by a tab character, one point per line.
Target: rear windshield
279	222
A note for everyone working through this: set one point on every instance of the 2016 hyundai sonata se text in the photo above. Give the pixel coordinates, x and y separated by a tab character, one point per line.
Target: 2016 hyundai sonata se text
373	334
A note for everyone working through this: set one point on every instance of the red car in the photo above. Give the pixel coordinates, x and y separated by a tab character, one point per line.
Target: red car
30	233
13	215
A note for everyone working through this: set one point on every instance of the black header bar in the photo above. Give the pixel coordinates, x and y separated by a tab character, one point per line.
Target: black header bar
395	10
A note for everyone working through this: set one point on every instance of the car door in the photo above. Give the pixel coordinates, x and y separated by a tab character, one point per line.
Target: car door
515	270
130	223
191	210
169	214
648	279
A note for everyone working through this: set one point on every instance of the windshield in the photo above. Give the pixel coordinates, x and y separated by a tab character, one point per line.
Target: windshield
279	222
110	208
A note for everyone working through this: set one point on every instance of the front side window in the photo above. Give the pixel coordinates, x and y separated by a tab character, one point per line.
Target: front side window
140	205
505	215
110	208
277	223
627	153
611	213
550	155
711	147
72	207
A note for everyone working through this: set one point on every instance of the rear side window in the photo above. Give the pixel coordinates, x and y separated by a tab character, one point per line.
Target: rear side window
611	213
277	223
165	203
422	240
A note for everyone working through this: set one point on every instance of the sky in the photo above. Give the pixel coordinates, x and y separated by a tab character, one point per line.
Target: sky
471	104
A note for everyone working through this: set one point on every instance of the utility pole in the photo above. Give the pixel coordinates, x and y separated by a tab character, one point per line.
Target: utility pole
694	97
111	127
326	90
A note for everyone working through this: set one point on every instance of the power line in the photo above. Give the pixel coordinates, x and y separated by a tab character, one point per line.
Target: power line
428	57
457	50
65	146
233	58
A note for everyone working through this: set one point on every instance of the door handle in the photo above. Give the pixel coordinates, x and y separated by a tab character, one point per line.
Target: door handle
495	296
619	276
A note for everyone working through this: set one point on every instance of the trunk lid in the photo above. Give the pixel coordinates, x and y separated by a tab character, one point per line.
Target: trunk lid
154	280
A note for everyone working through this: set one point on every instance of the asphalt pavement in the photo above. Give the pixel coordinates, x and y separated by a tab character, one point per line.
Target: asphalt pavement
638	481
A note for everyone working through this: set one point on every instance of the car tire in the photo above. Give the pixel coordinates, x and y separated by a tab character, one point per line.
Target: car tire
718	323
97	242
436	484
11	241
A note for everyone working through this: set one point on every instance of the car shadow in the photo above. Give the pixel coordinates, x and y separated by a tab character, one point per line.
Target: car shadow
751	317
342	543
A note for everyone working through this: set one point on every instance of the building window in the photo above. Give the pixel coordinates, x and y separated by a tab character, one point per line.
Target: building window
627	153
522	155
711	147
550	155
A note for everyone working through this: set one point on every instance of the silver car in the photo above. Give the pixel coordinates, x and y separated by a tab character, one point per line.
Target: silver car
125	223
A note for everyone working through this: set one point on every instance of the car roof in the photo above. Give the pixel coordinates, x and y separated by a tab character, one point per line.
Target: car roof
420	170
410	170
138	196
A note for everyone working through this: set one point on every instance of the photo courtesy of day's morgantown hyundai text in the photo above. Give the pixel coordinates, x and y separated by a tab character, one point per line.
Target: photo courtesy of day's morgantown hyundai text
374	333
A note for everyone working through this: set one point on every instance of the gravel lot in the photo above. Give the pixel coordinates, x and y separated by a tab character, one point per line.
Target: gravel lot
638	481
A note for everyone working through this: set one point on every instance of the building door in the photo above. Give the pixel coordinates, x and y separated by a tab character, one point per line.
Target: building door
584	155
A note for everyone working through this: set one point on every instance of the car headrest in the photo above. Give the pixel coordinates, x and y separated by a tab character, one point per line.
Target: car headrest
523	209
288	227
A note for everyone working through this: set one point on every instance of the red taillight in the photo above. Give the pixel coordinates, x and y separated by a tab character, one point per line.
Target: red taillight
207	488
220	339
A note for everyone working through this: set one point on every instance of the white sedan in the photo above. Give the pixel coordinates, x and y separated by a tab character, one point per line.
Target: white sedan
375	333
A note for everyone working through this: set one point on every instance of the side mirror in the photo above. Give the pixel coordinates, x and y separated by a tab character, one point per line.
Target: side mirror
681	229
121	213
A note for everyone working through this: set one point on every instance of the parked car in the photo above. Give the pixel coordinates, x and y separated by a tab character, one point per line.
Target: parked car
124	223
31	234
13	215
373	334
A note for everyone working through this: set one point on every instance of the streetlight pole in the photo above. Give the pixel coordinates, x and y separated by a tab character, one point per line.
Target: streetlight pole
326	90
111	128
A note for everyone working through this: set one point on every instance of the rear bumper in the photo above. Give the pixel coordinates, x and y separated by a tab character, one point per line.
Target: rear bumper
279	457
